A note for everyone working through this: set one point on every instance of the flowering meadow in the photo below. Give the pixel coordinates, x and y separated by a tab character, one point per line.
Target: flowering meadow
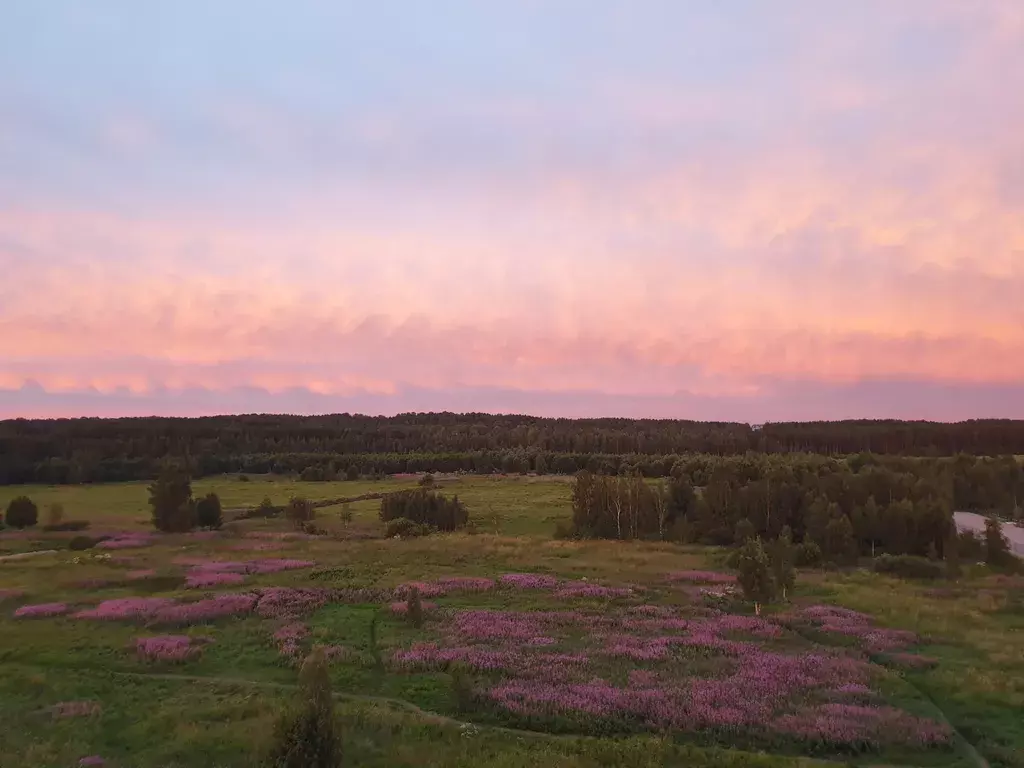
180	649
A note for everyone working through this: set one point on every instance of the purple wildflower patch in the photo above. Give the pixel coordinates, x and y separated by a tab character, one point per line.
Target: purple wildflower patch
587	589
203	611
173	648
528	581
126	608
40	610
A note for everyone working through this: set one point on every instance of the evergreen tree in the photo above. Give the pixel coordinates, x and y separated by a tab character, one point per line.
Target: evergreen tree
209	512
170	497
22	512
305	736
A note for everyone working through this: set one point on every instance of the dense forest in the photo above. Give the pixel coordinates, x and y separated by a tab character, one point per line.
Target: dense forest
973	459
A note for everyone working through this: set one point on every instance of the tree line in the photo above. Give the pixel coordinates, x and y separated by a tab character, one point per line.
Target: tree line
859	505
82	444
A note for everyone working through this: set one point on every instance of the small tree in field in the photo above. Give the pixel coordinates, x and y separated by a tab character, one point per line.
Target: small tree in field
414	608
755	574
305	736
170	496
300	511
782	555
208	511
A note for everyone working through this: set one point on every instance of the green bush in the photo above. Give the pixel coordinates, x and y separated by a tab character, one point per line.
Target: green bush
67	525
79	543
406	528
208	512
22	512
426	507
909	566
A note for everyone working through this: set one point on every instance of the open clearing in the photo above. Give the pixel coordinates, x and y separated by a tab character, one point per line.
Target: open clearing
178	650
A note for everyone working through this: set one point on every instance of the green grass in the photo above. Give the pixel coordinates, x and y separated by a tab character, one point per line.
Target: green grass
221	718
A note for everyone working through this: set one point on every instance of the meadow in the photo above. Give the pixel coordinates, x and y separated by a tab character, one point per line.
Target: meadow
181	649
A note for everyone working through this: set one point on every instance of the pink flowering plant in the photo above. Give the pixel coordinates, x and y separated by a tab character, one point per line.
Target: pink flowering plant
746	679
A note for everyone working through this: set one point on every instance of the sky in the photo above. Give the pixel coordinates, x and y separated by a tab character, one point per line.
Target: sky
740	210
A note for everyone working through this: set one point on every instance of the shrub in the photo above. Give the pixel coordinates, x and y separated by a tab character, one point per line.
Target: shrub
305	736
352	473
425	507
170	496
22	512
300	511
808	554
54	515
265	508
67	525
909	566
80	543
243	478
346	513
405	528
208	511
427	481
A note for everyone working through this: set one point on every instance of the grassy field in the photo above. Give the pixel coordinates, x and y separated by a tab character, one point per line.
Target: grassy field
625	643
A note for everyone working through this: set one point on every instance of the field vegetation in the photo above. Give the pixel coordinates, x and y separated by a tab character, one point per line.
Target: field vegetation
518	638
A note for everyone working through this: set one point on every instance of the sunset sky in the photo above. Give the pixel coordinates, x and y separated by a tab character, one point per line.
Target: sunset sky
738	210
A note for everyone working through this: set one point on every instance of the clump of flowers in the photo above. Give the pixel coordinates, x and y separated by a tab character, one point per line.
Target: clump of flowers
465	583
860	725
203	611
586	589
173	648
289	638
92	761
528	581
40	610
125	608
288	602
843	621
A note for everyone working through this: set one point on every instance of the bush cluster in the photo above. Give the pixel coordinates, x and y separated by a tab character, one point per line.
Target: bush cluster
426	507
